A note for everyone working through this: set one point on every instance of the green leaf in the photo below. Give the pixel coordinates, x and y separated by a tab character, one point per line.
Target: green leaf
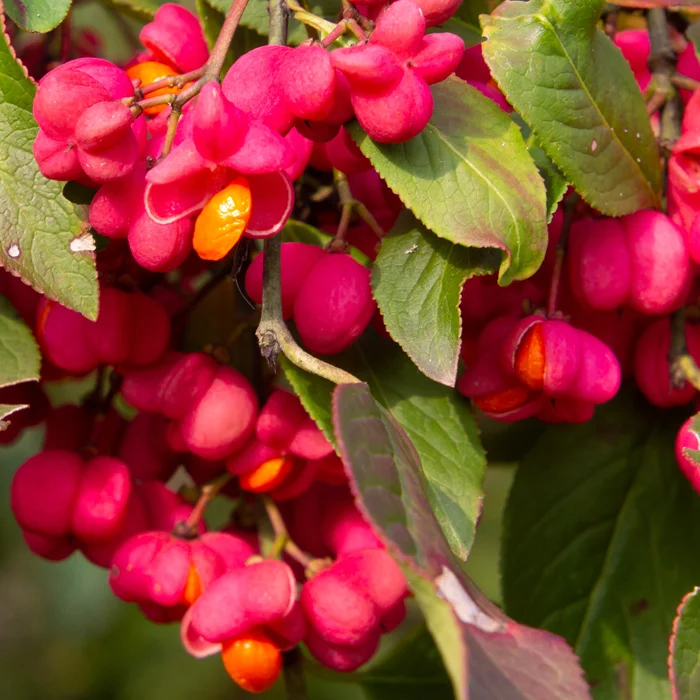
598	530
37	15
465	22
574	88
143	10
469	178
6	411
554	182
299	232
436	419
505	659
684	660
417	281
212	20
39	228
257	18
20	360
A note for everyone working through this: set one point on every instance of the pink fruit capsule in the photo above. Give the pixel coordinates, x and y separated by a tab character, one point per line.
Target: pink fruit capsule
109	336
687	439
307	81
149	330
175	37
185	382
44	491
651	369
223	419
145	450
49	548
599	263
339	611
102	499
279	419
344	658
63	336
233	604
252	84
660	262
103	126
334	304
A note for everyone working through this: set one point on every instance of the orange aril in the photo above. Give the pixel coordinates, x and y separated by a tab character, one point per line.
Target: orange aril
193	587
503	401
267	476
252	660
148	72
530	359
223	220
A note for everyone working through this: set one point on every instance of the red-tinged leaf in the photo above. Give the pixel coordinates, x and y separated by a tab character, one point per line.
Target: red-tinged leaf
486	654
684	651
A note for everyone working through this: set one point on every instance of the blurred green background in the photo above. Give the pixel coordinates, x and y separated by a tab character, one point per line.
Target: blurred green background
64	636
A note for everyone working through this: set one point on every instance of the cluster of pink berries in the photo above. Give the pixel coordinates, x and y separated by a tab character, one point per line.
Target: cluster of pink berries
228	167
99	486
226	171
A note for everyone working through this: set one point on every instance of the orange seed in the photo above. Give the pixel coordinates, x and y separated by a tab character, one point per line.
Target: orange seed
223	220
530	359
267	476
252	661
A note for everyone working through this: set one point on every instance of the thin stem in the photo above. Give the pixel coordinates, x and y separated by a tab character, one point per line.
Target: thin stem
337	32
294	680
138	107
662	62
357	30
569	207
209	492
349	204
279	23
173	81
684	82
282	539
302	15
171	129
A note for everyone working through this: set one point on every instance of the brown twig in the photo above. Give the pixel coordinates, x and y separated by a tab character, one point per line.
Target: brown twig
283	543
349	205
209	492
272	333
